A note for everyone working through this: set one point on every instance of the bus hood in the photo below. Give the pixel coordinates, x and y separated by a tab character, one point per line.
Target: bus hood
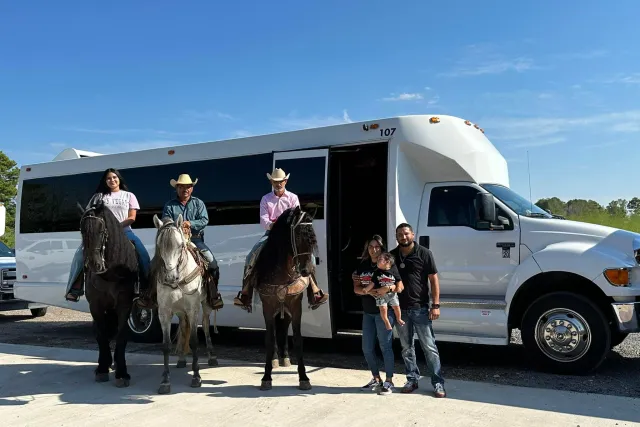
7	262
576	236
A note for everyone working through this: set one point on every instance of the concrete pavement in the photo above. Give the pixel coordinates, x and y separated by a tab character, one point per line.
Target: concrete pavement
42	386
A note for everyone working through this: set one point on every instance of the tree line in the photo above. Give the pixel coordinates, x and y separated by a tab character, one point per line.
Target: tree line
9	174
580	207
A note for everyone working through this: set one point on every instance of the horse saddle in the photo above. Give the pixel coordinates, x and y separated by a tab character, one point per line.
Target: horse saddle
210	282
295	287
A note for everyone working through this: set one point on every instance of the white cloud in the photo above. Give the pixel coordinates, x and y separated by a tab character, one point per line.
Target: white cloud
592	54
193	116
496	66
545	127
241	134
404	97
433	100
127	131
293	122
632	78
535	142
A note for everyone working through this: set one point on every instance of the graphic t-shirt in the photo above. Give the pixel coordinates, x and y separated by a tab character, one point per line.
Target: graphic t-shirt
119	203
365	271
389	277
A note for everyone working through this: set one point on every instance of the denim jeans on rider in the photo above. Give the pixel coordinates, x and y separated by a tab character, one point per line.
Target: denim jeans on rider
143	258
417	320
254	249
373	328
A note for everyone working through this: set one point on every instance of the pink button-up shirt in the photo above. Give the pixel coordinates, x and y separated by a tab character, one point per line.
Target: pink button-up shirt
272	206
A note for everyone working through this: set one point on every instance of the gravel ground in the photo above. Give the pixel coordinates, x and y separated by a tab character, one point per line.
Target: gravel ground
618	375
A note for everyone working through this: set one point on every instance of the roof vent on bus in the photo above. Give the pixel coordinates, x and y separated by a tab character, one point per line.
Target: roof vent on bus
72	153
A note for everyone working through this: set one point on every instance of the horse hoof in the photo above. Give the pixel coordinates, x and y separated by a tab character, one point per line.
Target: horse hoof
275	364
102	378
196	382
286	362
265	385
305	385
164	389
181	364
213	362
122	382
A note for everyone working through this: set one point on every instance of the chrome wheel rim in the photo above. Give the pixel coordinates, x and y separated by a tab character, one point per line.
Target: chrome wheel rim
563	335
140	319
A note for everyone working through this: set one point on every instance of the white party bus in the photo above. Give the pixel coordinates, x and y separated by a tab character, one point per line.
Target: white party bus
573	289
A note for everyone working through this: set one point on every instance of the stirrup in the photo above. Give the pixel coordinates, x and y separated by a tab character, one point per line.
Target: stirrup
238	301
317	303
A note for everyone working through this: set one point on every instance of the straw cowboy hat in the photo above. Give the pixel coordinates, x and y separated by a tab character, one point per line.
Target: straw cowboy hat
277	175
183	179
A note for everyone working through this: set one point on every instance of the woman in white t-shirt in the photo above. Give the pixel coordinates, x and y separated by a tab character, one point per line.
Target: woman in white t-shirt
114	193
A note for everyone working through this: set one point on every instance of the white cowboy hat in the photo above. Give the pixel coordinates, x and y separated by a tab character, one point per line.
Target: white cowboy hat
183	179
277	175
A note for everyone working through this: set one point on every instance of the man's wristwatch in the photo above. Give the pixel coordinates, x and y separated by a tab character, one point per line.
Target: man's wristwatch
433	306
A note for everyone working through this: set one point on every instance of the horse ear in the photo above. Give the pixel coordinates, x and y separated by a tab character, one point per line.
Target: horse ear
179	221
80	208
157	221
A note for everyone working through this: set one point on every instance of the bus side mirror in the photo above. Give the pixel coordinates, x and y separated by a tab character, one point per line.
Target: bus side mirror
486	206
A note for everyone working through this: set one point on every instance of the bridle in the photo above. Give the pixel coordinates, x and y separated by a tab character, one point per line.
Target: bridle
104	238
177	284
294	245
183	246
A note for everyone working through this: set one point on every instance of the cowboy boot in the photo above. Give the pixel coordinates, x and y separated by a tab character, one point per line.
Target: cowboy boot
316	296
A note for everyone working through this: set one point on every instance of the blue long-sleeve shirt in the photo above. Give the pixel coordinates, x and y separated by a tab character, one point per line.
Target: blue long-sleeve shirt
193	211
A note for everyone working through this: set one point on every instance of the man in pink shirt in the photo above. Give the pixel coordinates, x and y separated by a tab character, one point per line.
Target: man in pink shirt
272	206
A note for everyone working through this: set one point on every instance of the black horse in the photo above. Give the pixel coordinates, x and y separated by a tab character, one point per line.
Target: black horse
111	270
281	274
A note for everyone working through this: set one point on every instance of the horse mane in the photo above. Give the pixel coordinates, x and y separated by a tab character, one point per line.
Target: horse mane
273	259
118	251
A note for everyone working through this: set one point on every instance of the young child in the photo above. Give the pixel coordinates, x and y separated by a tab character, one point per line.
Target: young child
387	275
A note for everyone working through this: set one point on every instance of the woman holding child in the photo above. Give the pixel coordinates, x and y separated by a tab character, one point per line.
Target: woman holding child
376	279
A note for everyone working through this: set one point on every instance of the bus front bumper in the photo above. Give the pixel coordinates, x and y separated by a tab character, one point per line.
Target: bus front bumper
627	315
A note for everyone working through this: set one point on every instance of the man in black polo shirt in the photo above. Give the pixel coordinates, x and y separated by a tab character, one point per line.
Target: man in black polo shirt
417	268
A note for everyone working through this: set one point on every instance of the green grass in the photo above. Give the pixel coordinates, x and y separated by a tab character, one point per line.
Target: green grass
631	223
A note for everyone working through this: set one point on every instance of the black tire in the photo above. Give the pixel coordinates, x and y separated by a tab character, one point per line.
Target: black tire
577	330
144	325
39	312
617	338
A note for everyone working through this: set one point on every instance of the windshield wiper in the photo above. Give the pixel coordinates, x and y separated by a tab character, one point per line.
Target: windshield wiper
536	215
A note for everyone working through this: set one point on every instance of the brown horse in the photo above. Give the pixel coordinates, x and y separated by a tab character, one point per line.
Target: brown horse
281	274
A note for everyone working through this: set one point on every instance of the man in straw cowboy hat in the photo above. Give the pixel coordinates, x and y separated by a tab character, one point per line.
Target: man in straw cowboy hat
272	205
195	219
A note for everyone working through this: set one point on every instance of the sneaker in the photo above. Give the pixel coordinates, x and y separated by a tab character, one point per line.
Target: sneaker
439	390
387	388
409	387
371	385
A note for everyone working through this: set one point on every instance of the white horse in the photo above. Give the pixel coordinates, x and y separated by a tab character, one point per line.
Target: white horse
180	288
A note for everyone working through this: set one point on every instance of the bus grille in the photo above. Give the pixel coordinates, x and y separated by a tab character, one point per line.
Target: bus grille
7	278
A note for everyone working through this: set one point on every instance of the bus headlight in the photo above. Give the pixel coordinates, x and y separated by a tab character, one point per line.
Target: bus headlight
618	276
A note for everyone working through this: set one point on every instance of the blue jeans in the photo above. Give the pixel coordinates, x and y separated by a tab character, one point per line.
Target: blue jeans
417	320
143	260
253	250
204	249
372	328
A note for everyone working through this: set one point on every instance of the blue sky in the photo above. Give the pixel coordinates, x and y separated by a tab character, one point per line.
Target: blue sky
558	79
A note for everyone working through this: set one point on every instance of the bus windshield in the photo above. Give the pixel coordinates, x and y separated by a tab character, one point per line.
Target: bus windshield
519	204
5	251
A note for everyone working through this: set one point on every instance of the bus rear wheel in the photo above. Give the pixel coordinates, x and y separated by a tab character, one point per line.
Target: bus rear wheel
565	333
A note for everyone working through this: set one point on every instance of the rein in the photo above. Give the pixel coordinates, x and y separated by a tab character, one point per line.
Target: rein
294	246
